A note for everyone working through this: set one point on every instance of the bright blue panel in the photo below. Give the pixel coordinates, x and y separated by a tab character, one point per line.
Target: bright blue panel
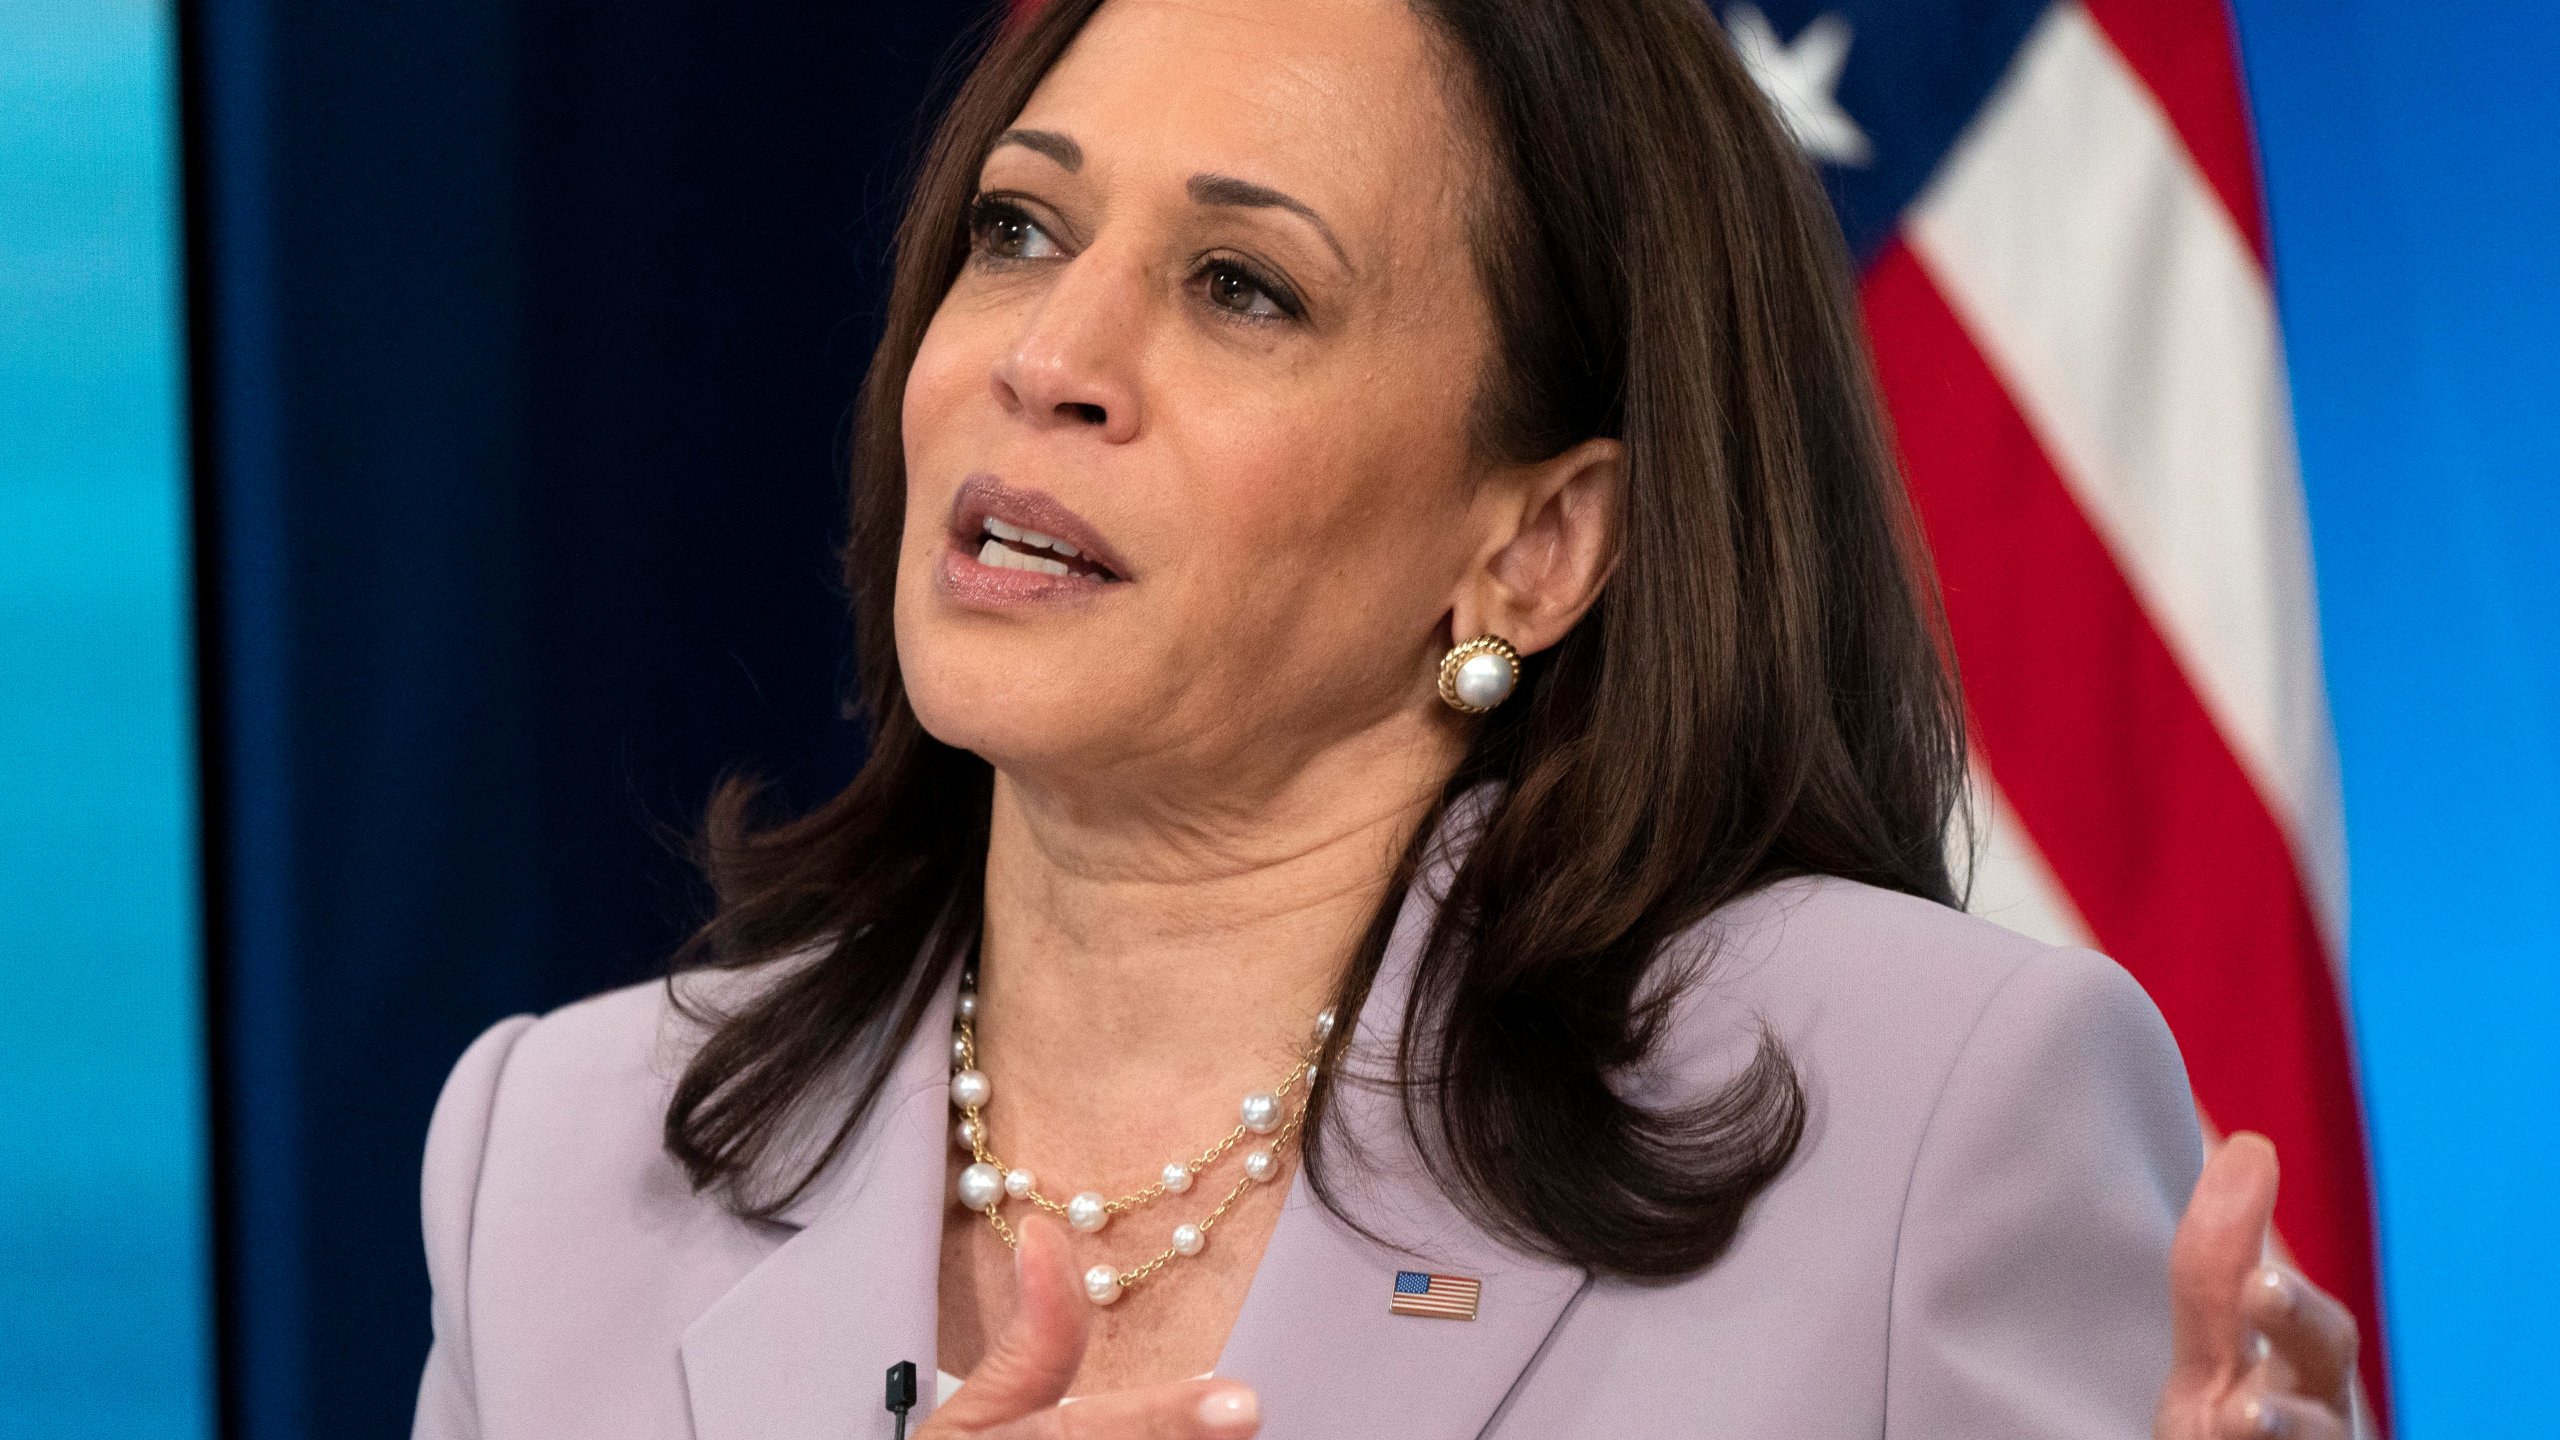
103	1305
2413	161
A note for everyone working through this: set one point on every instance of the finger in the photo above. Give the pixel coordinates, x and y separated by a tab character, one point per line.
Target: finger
2215	1250
1035	1359
1184	1410
2307	1329
2253	1414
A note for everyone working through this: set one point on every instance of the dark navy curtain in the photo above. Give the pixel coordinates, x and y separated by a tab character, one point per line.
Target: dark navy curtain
524	335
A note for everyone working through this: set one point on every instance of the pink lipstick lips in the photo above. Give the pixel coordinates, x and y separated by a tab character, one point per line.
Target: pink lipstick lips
1011	546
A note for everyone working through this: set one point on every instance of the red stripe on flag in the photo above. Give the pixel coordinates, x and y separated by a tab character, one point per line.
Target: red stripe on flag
2187	56
2124	783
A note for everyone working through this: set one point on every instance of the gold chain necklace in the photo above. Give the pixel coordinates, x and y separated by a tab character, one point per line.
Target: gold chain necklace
986	1183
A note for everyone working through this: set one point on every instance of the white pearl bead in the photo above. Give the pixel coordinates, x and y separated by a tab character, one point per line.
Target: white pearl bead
1102	1284
1484	681
1019	1184
970	1089
968	1004
1261	1111
1187	1239
1324	1024
965	1135
1260	1164
959	1050
1086	1212
1311	1077
980	1186
1176	1177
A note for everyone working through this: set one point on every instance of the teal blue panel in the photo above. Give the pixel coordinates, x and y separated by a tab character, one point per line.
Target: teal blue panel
103	1276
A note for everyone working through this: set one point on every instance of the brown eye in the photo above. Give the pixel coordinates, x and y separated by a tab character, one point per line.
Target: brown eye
1004	232
1009	234
1239	291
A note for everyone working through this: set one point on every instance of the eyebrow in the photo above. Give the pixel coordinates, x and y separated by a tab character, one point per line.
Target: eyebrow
1068	154
1228	190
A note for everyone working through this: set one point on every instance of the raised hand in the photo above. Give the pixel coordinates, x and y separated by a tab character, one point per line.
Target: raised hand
2223	1385
1014	1392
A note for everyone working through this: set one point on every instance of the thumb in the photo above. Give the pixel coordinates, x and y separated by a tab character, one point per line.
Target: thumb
2218	1245
1031	1364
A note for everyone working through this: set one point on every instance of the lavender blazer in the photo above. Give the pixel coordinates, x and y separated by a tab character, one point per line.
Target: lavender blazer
1971	1243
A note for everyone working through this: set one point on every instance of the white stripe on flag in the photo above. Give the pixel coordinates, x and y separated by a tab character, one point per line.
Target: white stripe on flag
2126	314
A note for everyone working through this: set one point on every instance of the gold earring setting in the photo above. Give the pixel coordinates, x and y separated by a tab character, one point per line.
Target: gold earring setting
1478	675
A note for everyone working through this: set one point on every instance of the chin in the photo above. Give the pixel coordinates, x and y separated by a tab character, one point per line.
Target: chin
1014	698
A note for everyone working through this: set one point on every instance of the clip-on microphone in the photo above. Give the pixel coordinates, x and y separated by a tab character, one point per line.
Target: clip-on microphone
902	1393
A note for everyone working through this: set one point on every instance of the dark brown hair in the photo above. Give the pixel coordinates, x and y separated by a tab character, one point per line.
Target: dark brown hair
1761	691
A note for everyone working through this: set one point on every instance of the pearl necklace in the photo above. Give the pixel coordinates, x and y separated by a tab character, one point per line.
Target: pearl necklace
986	1183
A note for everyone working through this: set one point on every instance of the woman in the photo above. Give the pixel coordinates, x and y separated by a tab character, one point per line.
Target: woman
1366	509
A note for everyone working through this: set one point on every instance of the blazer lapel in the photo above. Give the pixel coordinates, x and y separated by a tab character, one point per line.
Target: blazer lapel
1316	1339
799	1348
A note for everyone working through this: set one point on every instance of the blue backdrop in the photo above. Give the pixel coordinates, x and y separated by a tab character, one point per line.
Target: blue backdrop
102	1226
2414	185
522	333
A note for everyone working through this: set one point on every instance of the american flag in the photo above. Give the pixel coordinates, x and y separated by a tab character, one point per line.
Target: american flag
1446	1297
2064	261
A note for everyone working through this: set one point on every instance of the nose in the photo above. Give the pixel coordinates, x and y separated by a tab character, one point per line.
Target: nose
1074	364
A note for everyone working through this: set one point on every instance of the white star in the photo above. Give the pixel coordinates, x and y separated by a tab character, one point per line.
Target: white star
1798	78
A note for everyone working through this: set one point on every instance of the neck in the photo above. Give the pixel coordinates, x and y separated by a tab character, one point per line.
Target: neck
1142	966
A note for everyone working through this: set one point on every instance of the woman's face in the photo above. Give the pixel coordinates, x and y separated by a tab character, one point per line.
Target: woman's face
1217	341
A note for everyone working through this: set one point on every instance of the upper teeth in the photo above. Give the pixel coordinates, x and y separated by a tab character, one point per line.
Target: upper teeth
994	552
1020	536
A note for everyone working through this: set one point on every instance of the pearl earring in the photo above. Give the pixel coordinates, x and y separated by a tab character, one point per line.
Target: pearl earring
1480	674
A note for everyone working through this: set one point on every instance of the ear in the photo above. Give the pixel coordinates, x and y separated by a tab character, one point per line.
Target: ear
1553	537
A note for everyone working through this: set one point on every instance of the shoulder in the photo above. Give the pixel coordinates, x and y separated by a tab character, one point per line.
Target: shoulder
587	1081
1972	1235
1872	986
563	1240
619	1049
565	1113
2000	1139
555	1091
1818	931
1927	1039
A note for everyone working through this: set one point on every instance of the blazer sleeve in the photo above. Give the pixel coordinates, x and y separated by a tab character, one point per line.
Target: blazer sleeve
449	1187
2031	1270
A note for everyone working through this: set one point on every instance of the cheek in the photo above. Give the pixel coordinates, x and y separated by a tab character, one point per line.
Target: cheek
1375	466
931	415
937	384
942	402
1327	523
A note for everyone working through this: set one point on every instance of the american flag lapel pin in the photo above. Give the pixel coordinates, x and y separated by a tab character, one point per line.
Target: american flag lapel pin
1440	1297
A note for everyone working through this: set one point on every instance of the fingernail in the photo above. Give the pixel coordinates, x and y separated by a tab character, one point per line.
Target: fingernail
2264	1419
2280	1289
1232	1411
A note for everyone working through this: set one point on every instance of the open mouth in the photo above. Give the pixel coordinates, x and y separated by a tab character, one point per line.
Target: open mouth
1011	547
1048	551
